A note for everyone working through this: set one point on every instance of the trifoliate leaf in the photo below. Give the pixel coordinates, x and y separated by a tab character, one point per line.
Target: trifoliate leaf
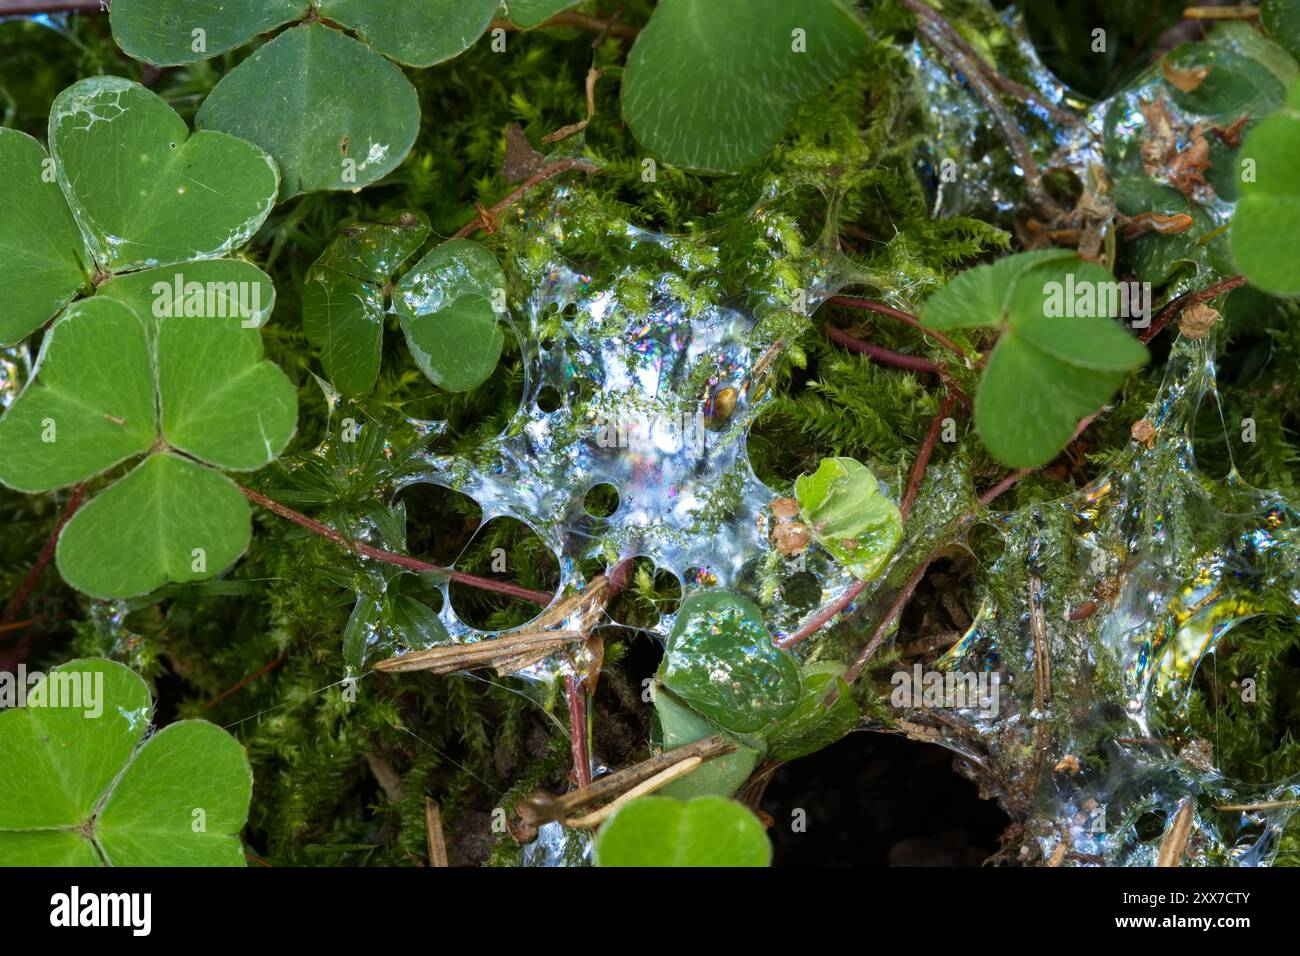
171	519
707	831
177	32
347	118
446	305
344	297
145	191
712	86
722	663
849	516
1061	355
721	776
812	725
417	34
1265	243
84	786
42	256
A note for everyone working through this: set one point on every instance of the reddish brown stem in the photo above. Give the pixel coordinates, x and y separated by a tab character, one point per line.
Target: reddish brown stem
577	694
24	7
391	557
1004	83
266	669
913	363
1186	300
852	302
43	559
548	172
923	456
581	20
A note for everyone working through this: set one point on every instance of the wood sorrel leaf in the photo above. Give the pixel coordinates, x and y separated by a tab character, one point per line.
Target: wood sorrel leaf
203	289
707	831
348	117
344	297
221	400
171	519
527	14
722	663
812	725
416	34
145	191
1061	355
90	404
849	516
176	32
446	306
721	776
42	253
84	786
1264	240
712	86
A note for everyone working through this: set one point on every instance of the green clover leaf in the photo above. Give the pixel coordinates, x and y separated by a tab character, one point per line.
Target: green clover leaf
722	663
707	831
849	515
1060	356
85	785
126	187
713	86
109	387
346	296
722	776
527	14
447	304
351	116
1264	240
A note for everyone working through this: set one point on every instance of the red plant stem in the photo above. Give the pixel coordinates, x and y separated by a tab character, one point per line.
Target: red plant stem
852	302
577	694
913	363
909	498
391	557
580	20
1006	84
547	172
923	456
43	559
22	7
887	621
1188	299
246	681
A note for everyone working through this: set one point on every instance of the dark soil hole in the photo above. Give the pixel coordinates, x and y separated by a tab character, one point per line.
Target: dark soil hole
439	521
878	800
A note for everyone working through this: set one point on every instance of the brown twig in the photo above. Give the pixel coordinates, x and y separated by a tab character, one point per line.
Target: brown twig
576	691
1186	300
1004	83
43	559
485	218
541	807
266	669
580	20
391	557
941	33
433	834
